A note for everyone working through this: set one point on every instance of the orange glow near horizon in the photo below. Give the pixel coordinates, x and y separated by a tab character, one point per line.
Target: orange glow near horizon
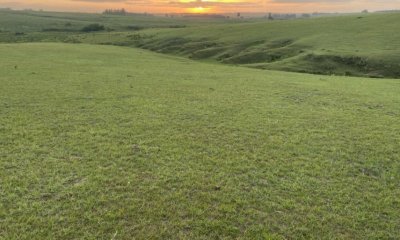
203	6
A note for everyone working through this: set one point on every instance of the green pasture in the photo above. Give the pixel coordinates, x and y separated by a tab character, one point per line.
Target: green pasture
111	142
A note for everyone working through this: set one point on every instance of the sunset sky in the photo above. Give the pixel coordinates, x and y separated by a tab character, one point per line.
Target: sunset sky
212	6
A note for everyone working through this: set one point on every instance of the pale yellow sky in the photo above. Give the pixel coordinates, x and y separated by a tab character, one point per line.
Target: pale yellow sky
166	6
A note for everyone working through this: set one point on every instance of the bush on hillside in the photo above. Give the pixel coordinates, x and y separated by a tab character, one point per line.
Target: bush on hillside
93	28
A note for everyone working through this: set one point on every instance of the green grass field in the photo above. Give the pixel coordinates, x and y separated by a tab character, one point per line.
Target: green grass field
107	142
34	21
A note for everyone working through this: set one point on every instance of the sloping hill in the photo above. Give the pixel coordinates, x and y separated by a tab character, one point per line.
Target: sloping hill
363	45
102	142
357	45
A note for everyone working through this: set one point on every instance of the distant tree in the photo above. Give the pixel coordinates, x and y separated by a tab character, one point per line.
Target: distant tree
238	15
365	11
270	16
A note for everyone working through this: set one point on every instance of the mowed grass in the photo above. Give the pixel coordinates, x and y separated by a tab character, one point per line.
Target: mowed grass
102	142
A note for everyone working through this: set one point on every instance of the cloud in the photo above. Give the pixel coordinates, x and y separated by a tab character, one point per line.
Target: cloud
311	1
211	3
100	1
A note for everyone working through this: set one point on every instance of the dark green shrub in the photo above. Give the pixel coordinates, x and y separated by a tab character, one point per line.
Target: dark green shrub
93	28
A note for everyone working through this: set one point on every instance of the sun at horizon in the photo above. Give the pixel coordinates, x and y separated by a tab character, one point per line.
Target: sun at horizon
199	10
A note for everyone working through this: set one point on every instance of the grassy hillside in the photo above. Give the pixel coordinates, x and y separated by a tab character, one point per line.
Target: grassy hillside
356	45
363	45
117	143
37	21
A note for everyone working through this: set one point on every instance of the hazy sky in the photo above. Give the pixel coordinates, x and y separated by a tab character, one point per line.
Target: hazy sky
165	6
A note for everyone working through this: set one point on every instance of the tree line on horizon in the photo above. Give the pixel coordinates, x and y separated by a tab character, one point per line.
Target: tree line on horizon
121	11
